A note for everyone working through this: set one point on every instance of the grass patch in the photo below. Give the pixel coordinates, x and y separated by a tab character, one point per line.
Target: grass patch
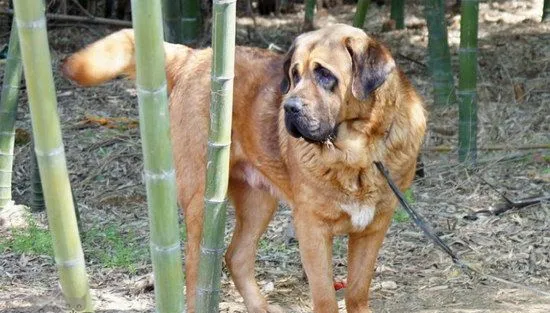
109	245
400	215
30	240
114	247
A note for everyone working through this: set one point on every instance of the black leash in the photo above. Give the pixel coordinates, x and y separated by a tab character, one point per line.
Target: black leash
419	221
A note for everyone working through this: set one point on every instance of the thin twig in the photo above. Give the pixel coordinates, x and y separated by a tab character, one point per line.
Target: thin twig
463	265
68	24
83	9
73	18
270	45
491	148
412	60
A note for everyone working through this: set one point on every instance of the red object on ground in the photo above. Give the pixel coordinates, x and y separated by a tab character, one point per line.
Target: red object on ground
339	285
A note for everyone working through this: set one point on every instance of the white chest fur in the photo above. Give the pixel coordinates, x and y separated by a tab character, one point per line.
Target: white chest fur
361	214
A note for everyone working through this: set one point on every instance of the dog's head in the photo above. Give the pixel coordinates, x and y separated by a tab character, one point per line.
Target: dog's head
322	70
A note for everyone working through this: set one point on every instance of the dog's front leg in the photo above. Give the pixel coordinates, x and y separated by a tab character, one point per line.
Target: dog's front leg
315	243
362	253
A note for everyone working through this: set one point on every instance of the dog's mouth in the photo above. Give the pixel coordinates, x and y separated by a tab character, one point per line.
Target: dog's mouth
298	128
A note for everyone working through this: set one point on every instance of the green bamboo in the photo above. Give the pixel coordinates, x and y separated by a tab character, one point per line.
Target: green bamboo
191	21
398	13
309	14
37	203
219	139
69	258
159	171
360	13
439	55
8	108
467	80
546	11
173	23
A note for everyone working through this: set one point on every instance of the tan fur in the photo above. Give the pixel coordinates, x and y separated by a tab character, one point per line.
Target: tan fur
323	182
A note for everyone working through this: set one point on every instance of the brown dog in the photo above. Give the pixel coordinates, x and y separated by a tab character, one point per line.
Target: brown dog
306	129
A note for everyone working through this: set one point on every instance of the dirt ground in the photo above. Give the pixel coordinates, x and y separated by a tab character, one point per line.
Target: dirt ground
412	274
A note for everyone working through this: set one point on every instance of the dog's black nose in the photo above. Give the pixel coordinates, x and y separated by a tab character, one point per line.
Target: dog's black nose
293	105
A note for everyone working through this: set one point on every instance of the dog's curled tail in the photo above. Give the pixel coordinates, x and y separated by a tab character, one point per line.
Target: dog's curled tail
107	59
102	60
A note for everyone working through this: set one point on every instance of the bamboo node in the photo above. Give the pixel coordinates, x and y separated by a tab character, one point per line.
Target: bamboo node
2	153
6	172
219	144
13	58
468	50
466	91
465	122
8	86
78	261
165	249
57	151
189	19
222	79
39	23
204	291
214	201
224	1
212	251
146	91
148	175
7	133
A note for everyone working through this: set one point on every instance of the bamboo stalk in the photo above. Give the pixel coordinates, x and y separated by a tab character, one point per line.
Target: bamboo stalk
191	21
173	23
69	258
398	13
360	13
159	173
467	81
439	55
309	15
37	203
219	139
8	109
546	11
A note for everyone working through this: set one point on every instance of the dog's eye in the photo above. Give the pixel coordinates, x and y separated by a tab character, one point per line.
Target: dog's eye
325	78
295	76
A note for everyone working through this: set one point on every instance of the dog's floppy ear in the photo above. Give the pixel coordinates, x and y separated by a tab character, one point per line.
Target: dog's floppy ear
285	83
372	63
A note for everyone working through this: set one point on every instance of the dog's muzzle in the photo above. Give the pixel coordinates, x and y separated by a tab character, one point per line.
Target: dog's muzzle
300	125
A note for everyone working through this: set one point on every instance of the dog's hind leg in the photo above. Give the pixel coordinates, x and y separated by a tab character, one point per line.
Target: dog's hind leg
193	224
254	209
